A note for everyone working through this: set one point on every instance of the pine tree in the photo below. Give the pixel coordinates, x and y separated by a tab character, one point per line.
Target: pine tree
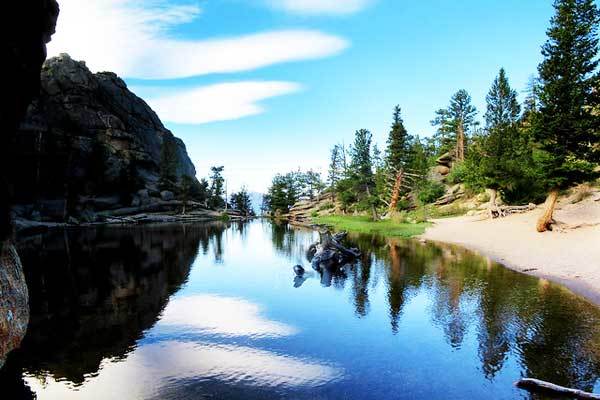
282	194
361	167
496	160
502	106
398	143
217	190
532	98
361	163
397	157
566	127
454	124
186	189
241	201
336	166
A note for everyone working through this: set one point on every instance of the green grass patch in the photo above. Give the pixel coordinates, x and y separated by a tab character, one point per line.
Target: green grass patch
364	224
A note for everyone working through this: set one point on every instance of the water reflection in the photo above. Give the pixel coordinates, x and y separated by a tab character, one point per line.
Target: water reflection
218	315
143	313
163	371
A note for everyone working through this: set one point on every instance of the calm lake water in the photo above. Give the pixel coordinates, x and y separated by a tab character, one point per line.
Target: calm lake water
215	312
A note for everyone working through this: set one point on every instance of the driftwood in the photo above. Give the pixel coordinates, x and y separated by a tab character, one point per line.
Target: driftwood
503	211
536	385
329	252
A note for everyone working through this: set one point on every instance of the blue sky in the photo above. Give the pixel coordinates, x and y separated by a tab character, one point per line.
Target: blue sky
267	86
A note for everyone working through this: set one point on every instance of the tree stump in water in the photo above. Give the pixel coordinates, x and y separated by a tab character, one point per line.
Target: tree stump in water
329	252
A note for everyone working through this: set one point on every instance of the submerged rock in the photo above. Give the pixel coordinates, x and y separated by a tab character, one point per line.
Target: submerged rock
14	300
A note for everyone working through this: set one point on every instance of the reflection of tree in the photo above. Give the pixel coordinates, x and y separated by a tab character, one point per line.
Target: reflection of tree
290	242
396	285
94	292
562	340
360	284
210	236
217	243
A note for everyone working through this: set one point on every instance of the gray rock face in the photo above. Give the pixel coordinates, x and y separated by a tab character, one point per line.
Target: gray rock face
89	134
14	300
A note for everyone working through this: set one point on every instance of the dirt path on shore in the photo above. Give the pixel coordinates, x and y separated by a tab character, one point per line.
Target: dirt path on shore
570	257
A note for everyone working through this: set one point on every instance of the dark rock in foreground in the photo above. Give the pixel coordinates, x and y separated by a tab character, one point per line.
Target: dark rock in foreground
14	300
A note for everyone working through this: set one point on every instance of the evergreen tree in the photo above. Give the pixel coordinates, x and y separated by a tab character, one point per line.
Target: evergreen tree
361	163
311	184
217	189
201	193
336	166
397	157
532	98
398	143
282	194
501	157
454	124
186	191
241	201
376	157
361	168
566	128
503	109
418	159
168	165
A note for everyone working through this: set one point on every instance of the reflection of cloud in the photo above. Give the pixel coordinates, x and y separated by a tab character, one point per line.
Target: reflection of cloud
155	370
221	316
220	102
135	38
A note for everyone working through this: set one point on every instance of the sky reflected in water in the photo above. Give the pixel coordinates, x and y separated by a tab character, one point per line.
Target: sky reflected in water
215	311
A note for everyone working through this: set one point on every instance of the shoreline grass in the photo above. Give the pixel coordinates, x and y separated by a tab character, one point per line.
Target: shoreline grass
364	224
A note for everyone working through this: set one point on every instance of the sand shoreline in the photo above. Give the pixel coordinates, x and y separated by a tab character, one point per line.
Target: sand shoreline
570	258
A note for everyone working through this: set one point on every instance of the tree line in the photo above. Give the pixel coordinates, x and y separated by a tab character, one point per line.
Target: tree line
526	152
209	191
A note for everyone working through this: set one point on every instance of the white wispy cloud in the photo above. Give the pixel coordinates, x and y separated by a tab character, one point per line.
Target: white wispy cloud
315	7
219	102
134	38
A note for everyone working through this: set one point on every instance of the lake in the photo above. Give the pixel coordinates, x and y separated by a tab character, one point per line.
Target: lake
215	311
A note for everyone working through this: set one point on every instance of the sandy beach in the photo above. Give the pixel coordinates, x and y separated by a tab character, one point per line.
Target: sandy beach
570	256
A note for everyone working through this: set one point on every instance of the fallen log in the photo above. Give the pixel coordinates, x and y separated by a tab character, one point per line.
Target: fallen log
536	385
503	211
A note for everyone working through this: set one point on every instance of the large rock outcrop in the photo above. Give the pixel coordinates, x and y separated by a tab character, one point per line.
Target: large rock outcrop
14	306
86	137
27	26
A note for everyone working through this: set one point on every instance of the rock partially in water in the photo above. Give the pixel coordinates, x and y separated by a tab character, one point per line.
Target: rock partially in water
14	300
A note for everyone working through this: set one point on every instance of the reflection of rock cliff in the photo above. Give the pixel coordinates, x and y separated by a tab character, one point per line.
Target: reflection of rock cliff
94	293
88	143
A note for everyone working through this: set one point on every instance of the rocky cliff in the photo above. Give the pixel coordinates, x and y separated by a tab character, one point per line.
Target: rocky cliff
88	142
28	26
